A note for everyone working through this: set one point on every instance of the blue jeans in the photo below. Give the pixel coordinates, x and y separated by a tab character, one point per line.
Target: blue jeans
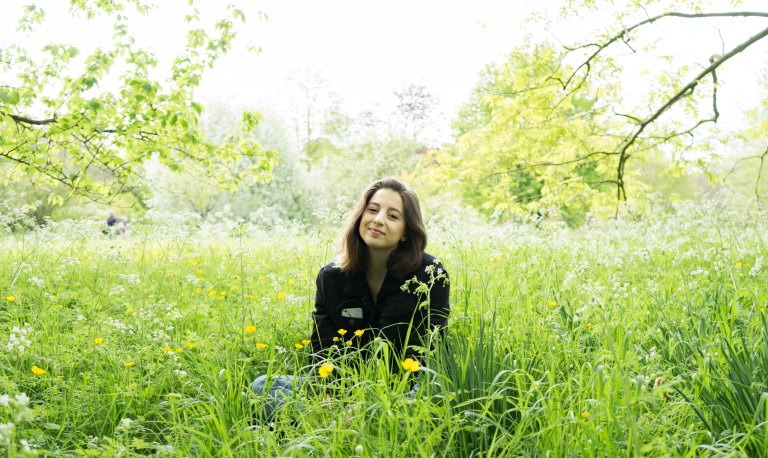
279	394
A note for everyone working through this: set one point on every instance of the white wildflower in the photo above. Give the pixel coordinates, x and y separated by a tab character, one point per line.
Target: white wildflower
130	278
117	290
6	432
38	282
18	339
22	399
126	423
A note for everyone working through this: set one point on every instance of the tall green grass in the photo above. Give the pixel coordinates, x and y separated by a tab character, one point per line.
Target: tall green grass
636	337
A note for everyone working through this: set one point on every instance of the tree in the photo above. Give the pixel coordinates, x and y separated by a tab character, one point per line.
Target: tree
683	100
89	122
558	125
507	134
414	110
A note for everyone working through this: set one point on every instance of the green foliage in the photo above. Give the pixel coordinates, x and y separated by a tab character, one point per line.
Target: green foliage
89	122
553	129
523	144
556	343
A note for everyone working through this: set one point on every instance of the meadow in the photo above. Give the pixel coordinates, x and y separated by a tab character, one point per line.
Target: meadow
645	335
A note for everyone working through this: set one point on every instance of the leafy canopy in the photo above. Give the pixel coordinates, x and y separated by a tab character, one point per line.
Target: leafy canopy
90	121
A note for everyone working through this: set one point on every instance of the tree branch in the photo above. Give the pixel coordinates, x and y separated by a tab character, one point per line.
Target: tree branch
24	120
762	158
587	64
686	90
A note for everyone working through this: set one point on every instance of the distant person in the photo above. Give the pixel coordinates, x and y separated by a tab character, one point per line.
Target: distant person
367	288
116	225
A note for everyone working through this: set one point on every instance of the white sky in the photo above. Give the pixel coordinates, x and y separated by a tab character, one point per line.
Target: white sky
367	49
364	50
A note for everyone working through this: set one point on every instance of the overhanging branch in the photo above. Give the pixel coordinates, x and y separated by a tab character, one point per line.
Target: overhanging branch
684	91
24	120
587	64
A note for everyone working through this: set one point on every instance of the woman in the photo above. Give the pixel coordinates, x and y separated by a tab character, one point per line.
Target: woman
380	278
382	284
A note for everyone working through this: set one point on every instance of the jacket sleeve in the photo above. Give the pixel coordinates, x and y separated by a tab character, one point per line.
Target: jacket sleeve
323	330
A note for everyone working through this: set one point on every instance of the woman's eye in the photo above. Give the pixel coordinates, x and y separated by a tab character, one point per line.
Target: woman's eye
393	216
371	210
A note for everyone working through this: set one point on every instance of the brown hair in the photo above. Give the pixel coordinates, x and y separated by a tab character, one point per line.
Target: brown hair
406	258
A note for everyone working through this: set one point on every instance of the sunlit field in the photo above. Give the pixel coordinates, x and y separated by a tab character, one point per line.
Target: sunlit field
646	335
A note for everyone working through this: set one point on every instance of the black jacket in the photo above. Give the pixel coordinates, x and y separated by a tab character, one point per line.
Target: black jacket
345	302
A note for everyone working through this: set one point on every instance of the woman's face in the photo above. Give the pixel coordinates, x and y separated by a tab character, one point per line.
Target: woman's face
382	225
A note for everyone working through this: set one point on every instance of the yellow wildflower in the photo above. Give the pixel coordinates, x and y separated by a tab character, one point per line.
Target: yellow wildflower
298	346
250	329
261	277
167	349
199	271
291	282
178	350
587	325
348	343
360	332
551	304
411	365
325	370
10	298
128	364
306	341
261	346
585	415
98	340
233	288
342	331
762	309
222	293
280	296
38	370
336	338
212	293
250	296
189	345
